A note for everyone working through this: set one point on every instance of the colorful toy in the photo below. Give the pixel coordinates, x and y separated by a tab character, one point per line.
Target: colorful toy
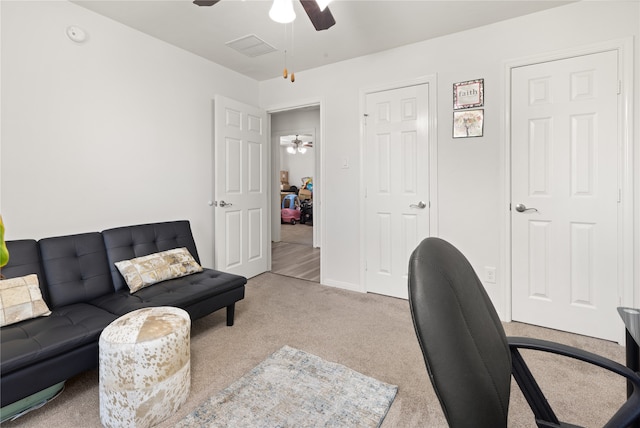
290	210
307	183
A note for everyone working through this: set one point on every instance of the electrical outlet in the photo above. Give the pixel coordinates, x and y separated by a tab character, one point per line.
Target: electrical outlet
490	274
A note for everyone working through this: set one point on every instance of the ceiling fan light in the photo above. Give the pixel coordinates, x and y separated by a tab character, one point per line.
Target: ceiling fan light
282	11
322	4
302	149
291	150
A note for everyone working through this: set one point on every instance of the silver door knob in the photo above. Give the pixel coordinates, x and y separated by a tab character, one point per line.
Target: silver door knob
420	205
522	208
224	204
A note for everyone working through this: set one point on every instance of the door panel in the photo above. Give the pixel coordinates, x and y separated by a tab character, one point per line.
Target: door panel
565	170
397	177
241	188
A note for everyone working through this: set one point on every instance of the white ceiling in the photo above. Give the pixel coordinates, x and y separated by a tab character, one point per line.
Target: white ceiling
362	27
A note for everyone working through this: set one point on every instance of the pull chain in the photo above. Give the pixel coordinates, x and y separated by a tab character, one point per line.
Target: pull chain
285	72
293	75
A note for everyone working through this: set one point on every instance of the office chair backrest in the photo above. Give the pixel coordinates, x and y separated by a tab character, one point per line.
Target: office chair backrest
461	337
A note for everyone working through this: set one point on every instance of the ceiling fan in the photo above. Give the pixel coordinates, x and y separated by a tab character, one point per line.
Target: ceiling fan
321	19
299	146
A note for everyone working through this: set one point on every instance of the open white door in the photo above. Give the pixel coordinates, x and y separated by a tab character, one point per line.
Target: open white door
241	184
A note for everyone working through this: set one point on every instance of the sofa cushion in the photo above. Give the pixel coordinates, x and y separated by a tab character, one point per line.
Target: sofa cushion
38	339
144	271
76	268
188	290
120	302
21	299
125	243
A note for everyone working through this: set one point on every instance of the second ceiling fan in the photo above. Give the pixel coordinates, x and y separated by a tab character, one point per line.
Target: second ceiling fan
321	19
299	146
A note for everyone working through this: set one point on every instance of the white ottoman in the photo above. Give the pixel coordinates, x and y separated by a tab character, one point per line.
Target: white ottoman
145	368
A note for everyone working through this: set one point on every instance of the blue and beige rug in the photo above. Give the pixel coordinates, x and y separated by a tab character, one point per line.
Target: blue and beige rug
292	388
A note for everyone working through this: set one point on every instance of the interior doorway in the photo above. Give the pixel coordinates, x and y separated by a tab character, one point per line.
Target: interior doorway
295	248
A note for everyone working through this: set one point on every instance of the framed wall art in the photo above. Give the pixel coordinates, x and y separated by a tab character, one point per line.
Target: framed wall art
468	123
468	94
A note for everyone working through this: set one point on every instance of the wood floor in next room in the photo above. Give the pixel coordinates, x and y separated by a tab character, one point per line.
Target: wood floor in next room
294	255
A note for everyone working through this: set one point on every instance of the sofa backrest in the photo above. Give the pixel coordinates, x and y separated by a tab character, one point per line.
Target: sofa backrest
76	268
24	259
129	242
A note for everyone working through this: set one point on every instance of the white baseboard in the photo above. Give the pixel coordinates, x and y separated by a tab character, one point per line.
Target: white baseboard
343	285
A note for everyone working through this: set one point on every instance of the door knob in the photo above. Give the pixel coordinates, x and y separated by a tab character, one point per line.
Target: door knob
522	208
224	204
420	205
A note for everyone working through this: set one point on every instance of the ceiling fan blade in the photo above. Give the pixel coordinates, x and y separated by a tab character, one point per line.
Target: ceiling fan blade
321	19
205	2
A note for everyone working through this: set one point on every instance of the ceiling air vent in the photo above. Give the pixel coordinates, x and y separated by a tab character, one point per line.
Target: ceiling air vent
251	46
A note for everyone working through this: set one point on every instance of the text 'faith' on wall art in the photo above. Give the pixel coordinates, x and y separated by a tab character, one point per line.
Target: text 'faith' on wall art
469	94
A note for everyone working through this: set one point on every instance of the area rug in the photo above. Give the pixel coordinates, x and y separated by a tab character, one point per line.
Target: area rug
292	388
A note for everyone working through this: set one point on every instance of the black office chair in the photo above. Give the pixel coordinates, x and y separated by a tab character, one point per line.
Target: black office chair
468	356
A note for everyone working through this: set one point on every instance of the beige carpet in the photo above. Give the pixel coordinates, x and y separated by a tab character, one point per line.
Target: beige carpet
368	333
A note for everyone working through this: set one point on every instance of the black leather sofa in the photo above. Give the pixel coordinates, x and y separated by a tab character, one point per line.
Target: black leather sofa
86	292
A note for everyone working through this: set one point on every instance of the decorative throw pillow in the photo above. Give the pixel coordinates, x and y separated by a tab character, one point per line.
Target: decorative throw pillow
144	271
21	299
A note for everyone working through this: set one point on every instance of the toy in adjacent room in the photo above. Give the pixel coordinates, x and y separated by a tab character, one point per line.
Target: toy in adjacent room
290	211
306	212
307	183
306	191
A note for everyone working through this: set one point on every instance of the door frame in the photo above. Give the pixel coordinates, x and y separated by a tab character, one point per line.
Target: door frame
432	81
628	295
318	188
277	166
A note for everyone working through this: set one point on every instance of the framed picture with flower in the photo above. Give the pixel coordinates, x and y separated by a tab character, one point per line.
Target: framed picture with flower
468	94
468	123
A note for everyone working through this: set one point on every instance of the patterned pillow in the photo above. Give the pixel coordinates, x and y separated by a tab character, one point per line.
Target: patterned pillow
144	271
21	299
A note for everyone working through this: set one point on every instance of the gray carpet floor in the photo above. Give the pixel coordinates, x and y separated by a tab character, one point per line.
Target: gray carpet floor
368	333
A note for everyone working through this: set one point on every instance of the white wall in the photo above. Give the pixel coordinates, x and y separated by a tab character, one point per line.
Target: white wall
111	132
297	122
470	171
299	165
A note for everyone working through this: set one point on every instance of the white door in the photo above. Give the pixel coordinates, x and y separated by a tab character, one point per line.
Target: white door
565	177
241	182
396	154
